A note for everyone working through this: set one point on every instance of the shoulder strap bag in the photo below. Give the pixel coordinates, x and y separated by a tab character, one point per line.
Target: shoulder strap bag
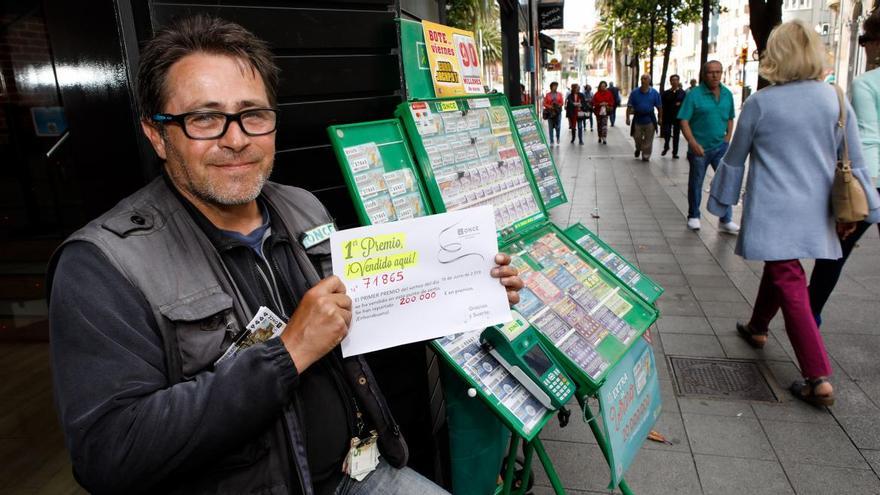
848	201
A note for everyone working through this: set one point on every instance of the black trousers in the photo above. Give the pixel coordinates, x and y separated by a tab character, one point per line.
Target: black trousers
827	272
670	130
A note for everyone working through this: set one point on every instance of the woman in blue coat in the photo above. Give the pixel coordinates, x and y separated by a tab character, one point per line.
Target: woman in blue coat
793	149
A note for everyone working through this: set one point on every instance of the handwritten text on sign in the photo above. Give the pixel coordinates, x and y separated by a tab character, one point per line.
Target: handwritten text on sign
419	279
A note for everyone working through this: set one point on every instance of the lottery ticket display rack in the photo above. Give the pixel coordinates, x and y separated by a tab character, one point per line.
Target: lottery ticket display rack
456	153
538	156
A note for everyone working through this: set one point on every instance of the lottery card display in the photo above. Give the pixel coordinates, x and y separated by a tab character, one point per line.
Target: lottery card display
538	155
386	196
494	380
264	326
612	261
569	302
474	160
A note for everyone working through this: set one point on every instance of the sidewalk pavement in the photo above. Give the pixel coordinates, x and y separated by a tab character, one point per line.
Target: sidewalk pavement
720	446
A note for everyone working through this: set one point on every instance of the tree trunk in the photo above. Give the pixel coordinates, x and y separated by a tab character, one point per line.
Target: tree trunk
618	68
666	51
764	15
636	71
651	49
704	35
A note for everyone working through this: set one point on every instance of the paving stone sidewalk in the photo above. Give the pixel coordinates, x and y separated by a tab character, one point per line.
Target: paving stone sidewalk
721	446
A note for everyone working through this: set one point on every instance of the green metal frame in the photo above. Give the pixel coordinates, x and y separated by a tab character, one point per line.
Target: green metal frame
640	317
535	446
649	290
398	144
393	148
465	104
533	119
506	417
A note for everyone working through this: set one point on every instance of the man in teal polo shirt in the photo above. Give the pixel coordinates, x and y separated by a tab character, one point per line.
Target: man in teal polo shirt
706	117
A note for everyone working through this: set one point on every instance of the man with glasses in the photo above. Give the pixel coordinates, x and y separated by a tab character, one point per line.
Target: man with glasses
146	299
706	117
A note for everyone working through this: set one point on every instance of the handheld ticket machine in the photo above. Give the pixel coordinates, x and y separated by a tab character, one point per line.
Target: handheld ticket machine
517	347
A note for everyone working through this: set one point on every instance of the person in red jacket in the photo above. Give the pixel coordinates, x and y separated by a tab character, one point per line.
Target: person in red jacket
603	105
553	111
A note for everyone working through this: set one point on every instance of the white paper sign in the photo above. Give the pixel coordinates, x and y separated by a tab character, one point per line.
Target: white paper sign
419	279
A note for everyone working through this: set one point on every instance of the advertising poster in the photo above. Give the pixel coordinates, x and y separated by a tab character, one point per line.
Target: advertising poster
454	59
630	404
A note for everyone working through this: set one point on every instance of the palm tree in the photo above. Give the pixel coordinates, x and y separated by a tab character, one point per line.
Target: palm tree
604	38
482	18
601	39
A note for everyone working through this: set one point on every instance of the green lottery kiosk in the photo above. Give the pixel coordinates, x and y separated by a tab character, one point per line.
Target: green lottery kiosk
578	328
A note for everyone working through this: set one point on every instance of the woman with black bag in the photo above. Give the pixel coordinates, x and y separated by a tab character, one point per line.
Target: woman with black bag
553	111
576	112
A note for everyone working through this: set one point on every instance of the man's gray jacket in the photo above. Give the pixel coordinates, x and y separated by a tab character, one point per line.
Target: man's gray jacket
141	403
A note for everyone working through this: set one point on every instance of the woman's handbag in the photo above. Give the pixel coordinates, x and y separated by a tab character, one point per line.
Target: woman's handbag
848	200
582	114
546	114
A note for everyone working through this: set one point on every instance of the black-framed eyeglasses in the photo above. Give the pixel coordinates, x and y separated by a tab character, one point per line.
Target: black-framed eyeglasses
213	125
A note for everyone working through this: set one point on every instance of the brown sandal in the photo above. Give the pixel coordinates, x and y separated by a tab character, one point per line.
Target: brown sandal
749	334
804	390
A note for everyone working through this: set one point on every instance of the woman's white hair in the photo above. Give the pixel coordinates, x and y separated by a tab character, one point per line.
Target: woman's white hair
794	53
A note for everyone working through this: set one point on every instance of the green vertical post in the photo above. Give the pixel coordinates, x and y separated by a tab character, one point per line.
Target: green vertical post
527	468
600	438
511	465
548	467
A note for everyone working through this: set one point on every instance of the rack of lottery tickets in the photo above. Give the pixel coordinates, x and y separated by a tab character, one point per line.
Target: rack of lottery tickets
590	305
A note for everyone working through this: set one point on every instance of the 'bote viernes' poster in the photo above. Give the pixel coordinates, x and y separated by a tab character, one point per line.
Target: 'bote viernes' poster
454	59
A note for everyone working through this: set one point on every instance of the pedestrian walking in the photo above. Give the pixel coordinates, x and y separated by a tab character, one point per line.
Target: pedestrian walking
642	102
576	112
706	117
615	91
588	96
792	150
693	84
866	103
603	104
553	111
671	129
526	98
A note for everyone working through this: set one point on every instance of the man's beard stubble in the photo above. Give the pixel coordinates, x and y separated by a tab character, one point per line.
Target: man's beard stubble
209	192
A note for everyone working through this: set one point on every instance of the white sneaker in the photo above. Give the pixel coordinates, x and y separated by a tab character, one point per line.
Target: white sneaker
694	223
729	227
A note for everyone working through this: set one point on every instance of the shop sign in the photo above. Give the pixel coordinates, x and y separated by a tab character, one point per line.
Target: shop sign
550	16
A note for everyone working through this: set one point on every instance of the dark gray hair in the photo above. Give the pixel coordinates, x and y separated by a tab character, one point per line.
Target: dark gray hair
199	34
705	68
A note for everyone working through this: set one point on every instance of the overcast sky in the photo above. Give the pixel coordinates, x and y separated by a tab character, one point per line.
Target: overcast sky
578	15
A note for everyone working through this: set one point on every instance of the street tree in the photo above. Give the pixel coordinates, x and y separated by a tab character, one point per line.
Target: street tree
706	14
636	22
626	26
482	17
676	13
